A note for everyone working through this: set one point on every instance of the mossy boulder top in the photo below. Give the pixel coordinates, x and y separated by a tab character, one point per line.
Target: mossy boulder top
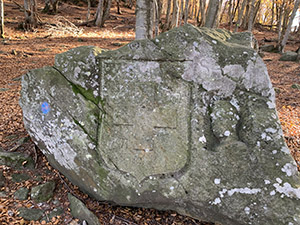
185	122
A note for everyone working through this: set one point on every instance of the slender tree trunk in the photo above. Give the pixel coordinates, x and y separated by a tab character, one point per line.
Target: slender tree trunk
118	7
272	15
144	19
88	14
201	19
251	15
175	14
181	12
230	14
217	20
156	15
106	12
223	12
279	23
289	26
186	11
167	23
211	14
196	9
247	15
99	13
30	14
241	13
257	6
1	19
102	13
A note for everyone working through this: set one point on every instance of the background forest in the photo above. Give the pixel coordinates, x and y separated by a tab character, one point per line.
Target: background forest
34	31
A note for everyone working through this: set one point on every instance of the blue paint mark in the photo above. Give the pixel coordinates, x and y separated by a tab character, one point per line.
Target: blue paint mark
45	108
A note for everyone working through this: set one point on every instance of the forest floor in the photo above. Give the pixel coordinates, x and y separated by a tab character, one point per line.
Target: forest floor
21	51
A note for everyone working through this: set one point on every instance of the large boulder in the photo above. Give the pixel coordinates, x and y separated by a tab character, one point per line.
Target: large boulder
185	121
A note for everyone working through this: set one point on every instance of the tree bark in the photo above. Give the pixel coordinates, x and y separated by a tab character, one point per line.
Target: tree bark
240	16
251	15
218	15
30	14
102	13
211	14
175	14
118	7
99	13
144	19
88	14
167	23
186	11
1	19
156	18
201	19
272	15
181	12
289	26
279	22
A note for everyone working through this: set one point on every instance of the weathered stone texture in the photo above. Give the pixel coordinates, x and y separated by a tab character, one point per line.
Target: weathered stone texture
185	121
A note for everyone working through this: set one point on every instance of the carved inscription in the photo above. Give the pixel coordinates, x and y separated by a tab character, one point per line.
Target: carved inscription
145	130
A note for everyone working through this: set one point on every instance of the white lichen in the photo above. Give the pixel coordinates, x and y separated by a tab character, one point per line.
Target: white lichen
217	181
202	139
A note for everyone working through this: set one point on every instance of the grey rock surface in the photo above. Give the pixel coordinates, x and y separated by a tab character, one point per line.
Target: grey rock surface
268	48
2	179
54	213
16	160
30	214
19	177
80	211
42	192
289	56
21	193
185	121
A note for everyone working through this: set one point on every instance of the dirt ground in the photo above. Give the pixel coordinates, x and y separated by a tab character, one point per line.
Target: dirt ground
21	51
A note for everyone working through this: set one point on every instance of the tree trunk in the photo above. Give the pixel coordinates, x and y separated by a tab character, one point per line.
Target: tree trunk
167	23
102	13
230	14
241	13
144	19
106	13
156	16
1	19
51	6
251	15
88	14
246	17
272	15
257	6
99	13
30	14
175	14
223	12
217	19
279	23
211	14
201	19
186	11
289	26
181	12
118	7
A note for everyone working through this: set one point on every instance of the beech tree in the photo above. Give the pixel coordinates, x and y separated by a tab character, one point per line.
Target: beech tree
289	26
212	12
51	6
144	19
1	19
103	11
31	18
